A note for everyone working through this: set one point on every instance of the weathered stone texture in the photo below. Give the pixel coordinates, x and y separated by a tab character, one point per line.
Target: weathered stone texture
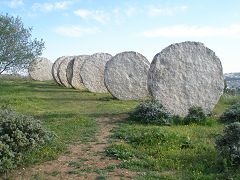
55	69
92	72
62	71
126	76
73	71
184	75
40	69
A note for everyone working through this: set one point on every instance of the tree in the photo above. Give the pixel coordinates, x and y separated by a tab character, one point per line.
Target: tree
17	48
225	86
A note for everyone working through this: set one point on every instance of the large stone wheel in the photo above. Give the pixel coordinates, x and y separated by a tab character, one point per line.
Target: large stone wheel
55	69
73	72
62	71
92	72
40	69
184	75
126	76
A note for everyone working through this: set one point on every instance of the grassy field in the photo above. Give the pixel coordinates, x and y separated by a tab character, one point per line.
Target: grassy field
173	152
168	152
69	113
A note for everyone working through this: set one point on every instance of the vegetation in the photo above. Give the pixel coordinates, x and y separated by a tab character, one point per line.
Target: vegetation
17	49
155	152
184	151
69	113
18	133
172	151
225	102
151	112
195	115
228	145
232	114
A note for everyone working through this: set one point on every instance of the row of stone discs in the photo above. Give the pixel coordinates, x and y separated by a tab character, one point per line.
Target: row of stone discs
81	72
55	69
40	69
181	76
73	71
62	71
184	75
124	75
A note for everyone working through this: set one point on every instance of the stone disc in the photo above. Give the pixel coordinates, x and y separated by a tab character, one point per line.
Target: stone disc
184	75
69	71
40	69
126	76
55	69
92	72
73	72
62	71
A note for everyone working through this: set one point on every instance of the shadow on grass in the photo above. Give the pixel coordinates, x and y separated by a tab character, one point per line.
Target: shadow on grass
56	115
123	115
72	99
61	116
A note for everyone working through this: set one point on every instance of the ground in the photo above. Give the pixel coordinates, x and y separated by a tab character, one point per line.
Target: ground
82	161
95	140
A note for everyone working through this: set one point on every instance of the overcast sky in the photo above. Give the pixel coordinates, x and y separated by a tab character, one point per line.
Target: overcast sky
74	27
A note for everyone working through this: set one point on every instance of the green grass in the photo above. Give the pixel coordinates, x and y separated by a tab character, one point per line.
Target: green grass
69	113
172	152
183	150
225	101
48	101
156	152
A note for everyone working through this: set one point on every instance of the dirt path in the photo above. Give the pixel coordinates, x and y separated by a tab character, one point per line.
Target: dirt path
83	161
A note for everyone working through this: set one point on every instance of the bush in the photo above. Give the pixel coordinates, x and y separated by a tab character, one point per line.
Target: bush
228	144
232	114
18	134
151	112
195	115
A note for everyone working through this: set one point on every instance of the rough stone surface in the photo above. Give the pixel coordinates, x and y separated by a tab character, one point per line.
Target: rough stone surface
126	76
40	69
92	72
73	72
55	69
62	71
69	71
184	75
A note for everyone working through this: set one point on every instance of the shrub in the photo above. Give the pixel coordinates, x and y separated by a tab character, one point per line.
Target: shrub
195	115
151	112
18	134
228	144
232	114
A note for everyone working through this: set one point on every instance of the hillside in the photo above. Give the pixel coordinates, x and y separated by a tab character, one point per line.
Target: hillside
233	80
87	124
